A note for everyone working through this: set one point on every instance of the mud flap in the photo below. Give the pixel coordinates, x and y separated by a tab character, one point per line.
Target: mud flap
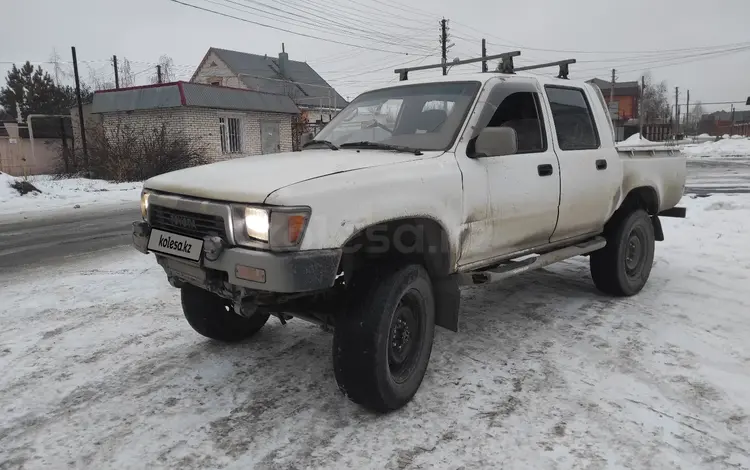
447	303
658	232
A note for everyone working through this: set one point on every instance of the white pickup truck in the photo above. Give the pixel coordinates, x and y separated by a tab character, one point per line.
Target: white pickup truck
371	229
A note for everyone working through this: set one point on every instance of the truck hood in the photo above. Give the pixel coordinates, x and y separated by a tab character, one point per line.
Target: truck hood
251	179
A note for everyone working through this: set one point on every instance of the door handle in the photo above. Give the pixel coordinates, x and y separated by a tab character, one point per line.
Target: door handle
601	164
544	170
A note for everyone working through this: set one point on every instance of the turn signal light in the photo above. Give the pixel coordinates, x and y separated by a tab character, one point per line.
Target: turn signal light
296	228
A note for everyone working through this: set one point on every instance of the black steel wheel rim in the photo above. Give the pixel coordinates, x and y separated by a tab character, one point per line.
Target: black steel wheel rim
635	252
405	336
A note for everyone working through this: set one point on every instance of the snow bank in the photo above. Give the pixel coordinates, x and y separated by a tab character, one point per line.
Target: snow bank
723	148
6	192
63	194
636	139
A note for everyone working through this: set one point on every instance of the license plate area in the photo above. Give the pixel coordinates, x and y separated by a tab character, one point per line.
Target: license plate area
176	245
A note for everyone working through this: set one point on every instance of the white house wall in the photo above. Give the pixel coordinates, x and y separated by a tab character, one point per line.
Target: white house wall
208	73
203	124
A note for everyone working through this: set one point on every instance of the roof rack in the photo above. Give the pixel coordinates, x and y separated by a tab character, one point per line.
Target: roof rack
562	63
403	74
505	65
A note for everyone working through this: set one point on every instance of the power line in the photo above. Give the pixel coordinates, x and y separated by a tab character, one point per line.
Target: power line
284	29
287	17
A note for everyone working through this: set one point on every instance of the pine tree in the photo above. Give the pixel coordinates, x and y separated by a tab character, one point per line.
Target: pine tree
33	91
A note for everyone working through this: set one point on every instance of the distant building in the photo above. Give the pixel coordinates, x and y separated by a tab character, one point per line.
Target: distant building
626	98
228	121
720	122
32	153
317	100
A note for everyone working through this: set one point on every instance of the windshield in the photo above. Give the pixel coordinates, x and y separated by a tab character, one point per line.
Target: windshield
425	117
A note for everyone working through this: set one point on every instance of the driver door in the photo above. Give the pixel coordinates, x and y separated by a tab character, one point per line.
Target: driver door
523	189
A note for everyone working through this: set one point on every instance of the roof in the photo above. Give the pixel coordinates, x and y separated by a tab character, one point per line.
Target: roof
739	116
482	78
184	94
621	88
262	73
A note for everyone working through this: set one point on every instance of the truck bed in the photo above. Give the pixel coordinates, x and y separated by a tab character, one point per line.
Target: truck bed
660	166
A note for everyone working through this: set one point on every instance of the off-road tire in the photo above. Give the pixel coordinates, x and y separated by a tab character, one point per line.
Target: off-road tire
213	317
623	266
382	344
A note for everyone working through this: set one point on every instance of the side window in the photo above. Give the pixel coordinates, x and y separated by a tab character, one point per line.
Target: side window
574	121
520	111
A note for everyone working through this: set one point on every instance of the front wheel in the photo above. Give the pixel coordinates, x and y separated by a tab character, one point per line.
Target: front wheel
623	266
382	345
213	316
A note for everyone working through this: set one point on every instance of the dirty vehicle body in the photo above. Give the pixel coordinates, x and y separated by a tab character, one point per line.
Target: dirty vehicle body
373	227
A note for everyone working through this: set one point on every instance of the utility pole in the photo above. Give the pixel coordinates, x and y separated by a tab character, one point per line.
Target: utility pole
641	108
731	126
444	44
484	54
687	111
676	111
611	94
158	74
117	77
80	111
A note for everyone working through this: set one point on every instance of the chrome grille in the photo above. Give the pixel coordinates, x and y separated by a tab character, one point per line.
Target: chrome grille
185	223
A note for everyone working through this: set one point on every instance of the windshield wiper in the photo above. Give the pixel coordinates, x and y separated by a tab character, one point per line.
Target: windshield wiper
327	143
378	145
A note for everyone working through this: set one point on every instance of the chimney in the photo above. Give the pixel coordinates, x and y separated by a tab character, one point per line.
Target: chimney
283	58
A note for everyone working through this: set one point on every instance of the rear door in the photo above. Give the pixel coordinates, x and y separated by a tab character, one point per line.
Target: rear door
590	175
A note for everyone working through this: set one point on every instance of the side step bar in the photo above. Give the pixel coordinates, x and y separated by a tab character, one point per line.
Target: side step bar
513	268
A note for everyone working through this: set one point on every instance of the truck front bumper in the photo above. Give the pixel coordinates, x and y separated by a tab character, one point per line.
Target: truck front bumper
289	272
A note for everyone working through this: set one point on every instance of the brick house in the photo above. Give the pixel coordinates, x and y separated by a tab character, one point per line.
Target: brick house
626	97
317	100
228	121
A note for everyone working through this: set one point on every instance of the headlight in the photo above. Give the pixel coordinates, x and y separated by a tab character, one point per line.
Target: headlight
279	228
257	223
144	204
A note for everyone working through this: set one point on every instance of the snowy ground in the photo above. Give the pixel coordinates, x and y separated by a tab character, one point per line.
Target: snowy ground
61	196
100	370
736	147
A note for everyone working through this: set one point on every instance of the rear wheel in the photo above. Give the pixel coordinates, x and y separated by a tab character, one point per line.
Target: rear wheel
213	316
623	266
382	345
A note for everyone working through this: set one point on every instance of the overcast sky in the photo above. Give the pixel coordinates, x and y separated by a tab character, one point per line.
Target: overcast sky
688	43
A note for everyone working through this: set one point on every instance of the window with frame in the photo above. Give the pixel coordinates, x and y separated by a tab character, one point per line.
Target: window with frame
574	121
229	132
521	111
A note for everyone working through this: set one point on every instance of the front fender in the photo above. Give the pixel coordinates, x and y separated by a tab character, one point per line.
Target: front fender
344	204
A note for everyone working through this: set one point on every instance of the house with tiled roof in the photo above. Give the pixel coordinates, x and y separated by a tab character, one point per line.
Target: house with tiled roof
317	100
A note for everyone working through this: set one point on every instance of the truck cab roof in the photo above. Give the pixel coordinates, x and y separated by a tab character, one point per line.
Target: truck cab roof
487	76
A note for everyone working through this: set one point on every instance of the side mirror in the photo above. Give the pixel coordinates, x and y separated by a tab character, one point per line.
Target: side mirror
306	137
496	142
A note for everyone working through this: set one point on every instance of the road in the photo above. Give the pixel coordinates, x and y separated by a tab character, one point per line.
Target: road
58	238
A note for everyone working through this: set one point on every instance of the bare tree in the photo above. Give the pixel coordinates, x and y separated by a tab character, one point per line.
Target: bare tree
101	80
127	78
167	70
655	100
61	71
697	113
